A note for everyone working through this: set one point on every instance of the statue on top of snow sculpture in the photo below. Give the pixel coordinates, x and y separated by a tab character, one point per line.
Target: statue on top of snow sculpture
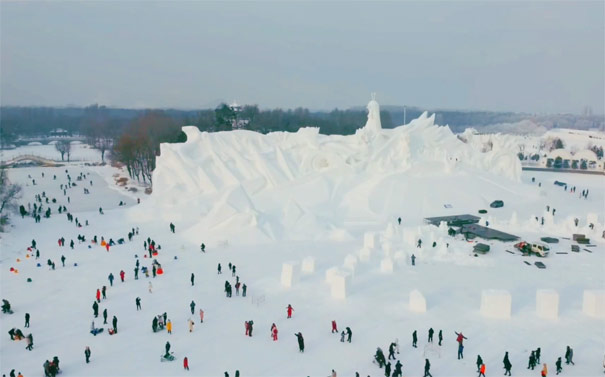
373	123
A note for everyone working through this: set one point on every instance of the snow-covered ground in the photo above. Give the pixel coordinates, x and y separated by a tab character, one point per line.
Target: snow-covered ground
319	213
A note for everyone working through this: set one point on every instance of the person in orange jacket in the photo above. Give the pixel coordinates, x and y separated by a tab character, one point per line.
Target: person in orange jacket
544	372
482	370
169	327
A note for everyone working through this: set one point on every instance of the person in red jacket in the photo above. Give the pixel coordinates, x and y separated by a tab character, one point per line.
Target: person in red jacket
274	332
482	370
334	328
186	363
98	295
290	310
122	273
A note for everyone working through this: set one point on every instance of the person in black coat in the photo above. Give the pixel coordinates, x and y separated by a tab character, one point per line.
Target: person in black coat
431	332
301	342
387	369
349	334
87	354
27	320
167	346
427	368
414	339
115	324
95	309
558	365
192	279
507	364
105	316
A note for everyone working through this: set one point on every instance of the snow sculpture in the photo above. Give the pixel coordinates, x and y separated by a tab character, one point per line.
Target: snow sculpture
339	285
288	274
496	303
330	273
370	240
417	302
386	266
594	303
373	123
547	304
308	265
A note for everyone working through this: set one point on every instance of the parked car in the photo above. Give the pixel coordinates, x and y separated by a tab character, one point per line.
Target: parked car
497	204
536	248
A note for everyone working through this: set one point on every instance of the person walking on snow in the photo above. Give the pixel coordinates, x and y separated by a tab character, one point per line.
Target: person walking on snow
122	273
218	269
544	371
349	334
440	336
290	310
115	324
274	332
104	292
460	339
392	352
186	363
138	302
26	319
105	316
192	279
172	227
167	347
98	295
558	365
431	332
334	328
569	356
87	354
169	327
427	368
482	370
201	316
95	309
342	337
191	324
192	306
507	364
414	339
479	362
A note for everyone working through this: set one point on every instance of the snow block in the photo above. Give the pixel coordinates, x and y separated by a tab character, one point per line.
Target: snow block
496	304
308	265
339	285
594	303
365	254
547	304
417	302
330	273
387	248
370	240
350	261
288	274
386	266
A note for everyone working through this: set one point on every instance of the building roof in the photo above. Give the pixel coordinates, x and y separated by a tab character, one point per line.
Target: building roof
487	233
457	220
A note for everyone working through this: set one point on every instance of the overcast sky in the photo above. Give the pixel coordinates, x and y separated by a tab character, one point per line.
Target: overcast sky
540	57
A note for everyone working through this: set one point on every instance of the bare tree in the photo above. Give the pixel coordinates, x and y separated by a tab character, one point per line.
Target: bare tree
9	193
64	147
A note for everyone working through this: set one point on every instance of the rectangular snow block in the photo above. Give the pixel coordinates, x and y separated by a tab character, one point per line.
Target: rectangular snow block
594	303
288	274
417	302
370	240
496	304
365	254
308	265
547	304
330	273
386	266
350	261
339	285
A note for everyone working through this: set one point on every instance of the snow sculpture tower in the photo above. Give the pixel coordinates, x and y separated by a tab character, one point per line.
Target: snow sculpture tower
373	123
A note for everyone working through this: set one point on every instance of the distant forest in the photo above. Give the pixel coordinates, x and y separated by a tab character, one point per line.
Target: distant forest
133	136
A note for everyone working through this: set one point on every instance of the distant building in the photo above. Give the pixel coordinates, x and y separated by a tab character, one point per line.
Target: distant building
237	122
564	159
59	132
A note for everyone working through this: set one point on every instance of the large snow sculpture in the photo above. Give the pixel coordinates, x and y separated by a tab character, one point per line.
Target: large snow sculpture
417	302
289	274
339	286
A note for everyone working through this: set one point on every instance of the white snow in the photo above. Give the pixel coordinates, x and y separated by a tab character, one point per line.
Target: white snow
339	285
289	274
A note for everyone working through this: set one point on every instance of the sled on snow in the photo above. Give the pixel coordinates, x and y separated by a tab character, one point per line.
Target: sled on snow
167	357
